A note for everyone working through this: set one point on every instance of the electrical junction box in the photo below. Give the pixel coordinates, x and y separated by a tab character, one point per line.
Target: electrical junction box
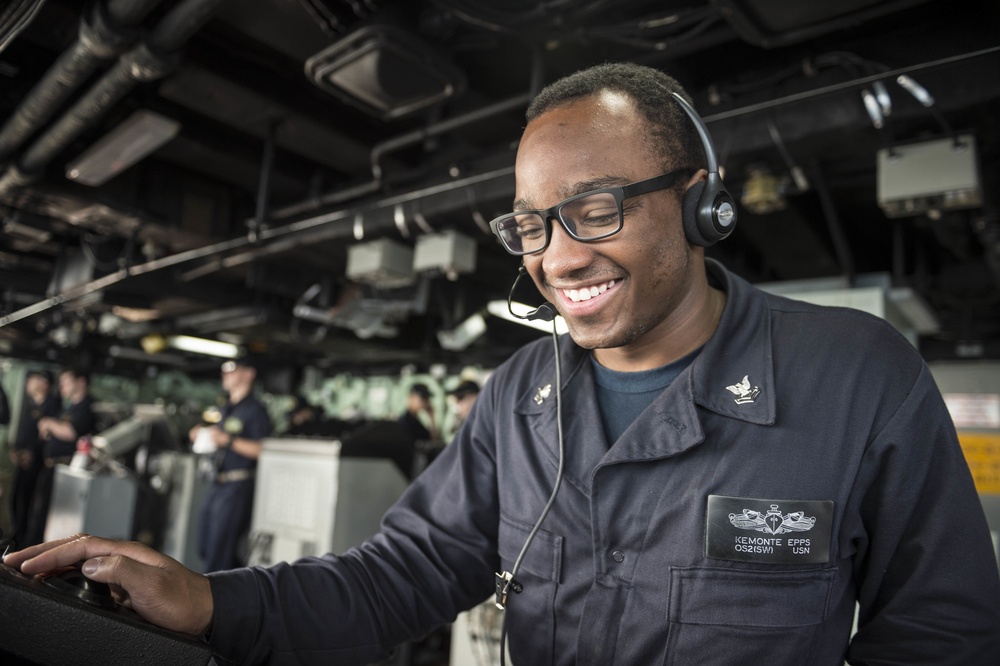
449	252
383	263
930	176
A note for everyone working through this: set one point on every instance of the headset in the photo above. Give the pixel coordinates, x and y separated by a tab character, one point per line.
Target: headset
708	210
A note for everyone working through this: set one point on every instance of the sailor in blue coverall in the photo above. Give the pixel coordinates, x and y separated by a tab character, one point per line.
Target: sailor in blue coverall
225	515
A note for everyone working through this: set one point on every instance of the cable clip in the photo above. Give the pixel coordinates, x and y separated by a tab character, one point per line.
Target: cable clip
506	584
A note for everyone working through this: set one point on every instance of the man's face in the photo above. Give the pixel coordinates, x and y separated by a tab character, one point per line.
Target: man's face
36	386
416	402
464	404
234	376
638	280
68	384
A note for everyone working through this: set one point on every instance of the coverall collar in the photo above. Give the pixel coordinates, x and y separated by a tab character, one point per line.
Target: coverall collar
732	376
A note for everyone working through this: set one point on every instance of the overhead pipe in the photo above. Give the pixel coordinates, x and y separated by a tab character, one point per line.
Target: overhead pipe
105	30
336	224
845	258
379	150
260	219
852	84
148	61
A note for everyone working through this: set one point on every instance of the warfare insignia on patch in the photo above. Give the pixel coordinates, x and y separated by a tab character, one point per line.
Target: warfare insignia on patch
775	531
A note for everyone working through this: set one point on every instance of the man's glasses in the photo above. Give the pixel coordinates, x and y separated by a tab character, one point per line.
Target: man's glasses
586	217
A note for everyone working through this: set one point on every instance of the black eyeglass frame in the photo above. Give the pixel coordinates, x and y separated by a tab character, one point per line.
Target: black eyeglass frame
620	194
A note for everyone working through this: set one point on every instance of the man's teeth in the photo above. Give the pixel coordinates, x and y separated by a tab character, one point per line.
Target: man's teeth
587	293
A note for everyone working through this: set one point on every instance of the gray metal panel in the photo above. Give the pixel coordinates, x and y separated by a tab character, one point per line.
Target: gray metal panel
367	488
187	488
98	504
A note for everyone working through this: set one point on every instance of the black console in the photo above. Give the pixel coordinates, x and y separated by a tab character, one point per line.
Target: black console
68	619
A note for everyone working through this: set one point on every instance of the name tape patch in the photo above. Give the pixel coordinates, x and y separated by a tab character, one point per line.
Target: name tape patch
746	529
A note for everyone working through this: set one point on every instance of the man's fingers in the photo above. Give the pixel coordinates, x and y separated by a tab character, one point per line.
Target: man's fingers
156	586
66	552
49	560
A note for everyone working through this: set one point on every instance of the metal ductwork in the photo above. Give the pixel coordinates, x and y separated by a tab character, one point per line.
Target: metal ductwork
150	60
105	30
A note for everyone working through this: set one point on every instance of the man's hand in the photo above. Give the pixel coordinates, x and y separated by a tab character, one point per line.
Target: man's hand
157	587
221	438
45	425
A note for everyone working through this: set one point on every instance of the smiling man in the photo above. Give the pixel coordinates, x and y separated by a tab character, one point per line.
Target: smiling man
700	473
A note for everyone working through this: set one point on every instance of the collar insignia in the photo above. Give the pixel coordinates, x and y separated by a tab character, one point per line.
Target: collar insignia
542	394
743	391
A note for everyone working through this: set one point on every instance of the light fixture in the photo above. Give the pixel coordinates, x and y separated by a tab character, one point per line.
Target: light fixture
203	346
141	133
499	309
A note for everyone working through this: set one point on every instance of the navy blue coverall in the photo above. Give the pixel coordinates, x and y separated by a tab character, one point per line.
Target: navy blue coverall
225	515
802	464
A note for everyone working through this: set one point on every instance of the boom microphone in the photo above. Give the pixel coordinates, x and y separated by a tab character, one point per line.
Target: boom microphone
546	311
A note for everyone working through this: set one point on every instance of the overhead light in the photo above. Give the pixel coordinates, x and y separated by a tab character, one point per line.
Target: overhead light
142	133
203	346
499	309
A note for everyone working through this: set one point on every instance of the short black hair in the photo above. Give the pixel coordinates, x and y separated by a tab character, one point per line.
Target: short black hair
467	387
248	361
670	130
422	390
41	374
78	373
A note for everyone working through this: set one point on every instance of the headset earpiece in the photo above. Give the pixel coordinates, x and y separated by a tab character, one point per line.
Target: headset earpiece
689	214
708	210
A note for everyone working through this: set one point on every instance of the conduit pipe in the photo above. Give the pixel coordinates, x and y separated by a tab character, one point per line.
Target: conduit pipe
397	143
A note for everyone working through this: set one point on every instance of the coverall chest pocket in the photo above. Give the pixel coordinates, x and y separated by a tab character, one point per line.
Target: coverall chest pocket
733	617
532	612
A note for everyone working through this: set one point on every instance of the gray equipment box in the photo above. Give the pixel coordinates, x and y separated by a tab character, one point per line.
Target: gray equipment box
101	504
310	500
